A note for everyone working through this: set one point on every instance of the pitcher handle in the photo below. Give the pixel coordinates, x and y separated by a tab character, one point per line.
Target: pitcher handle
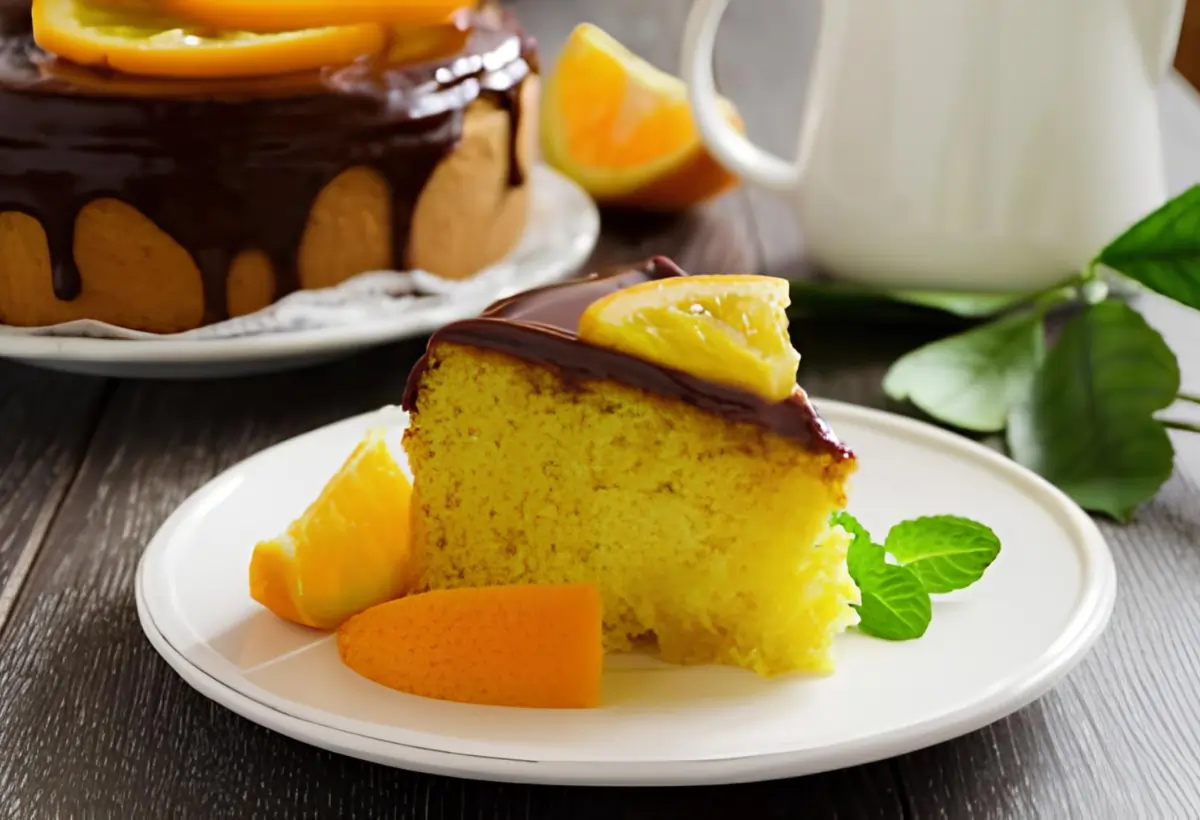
738	154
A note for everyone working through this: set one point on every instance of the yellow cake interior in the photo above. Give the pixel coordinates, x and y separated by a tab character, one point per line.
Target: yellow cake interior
706	537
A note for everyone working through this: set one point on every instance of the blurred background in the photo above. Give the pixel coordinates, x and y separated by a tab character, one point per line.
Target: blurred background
1188	60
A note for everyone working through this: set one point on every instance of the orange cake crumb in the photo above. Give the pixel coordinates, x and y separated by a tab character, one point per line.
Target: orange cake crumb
518	645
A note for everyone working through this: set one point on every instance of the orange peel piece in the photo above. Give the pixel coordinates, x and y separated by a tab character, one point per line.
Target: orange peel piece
534	646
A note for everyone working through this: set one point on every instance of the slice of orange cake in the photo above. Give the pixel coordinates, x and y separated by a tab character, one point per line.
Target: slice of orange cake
640	430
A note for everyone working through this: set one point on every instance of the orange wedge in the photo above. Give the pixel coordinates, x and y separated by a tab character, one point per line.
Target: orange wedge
152	44
349	551
289	15
730	330
623	129
522	645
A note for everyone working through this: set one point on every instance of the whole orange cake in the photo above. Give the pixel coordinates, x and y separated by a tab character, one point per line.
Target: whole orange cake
166	203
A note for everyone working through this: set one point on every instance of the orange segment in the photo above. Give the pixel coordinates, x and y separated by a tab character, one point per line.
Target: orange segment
288	15
521	645
624	130
350	550
729	330
273	580
152	44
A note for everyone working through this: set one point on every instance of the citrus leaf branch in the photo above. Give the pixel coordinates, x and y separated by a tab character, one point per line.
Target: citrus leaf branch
1088	422
1162	251
971	380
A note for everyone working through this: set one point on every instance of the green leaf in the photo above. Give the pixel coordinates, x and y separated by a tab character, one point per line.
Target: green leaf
968	305
972	379
894	604
858	533
1163	250
809	297
1088	422
862	553
945	551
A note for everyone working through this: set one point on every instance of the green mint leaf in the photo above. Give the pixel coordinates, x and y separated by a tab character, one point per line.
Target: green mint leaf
1088	423
1162	251
972	379
945	551
894	605
862	553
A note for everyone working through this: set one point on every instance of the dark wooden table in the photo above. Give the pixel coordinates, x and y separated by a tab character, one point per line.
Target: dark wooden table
94	724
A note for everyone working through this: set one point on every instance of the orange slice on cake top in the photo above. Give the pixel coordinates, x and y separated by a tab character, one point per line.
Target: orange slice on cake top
150	43
288	15
728	329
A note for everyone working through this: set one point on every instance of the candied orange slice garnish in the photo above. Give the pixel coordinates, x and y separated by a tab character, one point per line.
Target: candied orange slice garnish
624	130
148	43
350	550
287	15
730	330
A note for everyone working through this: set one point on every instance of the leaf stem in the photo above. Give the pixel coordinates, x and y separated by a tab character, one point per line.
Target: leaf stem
1188	427
1194	399
1068	290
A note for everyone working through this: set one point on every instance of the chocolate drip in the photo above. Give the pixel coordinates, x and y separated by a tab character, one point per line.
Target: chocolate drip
541	326
60	237
225	166
512	102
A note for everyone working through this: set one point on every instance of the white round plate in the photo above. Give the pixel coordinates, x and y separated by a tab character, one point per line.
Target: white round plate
990	650
566	230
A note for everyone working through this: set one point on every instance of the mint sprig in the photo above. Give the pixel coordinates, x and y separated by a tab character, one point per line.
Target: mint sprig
1084	412
861	555
945	551
933	554
894	605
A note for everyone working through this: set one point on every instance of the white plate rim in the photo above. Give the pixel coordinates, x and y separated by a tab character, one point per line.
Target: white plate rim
281	345
1087	623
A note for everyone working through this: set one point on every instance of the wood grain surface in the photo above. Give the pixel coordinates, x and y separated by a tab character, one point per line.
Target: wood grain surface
45	422
94	724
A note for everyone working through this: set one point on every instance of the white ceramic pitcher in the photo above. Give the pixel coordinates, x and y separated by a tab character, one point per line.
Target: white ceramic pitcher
967	144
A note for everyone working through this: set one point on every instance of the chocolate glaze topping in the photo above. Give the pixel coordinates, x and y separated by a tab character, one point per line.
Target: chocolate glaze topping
224	166
541	326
